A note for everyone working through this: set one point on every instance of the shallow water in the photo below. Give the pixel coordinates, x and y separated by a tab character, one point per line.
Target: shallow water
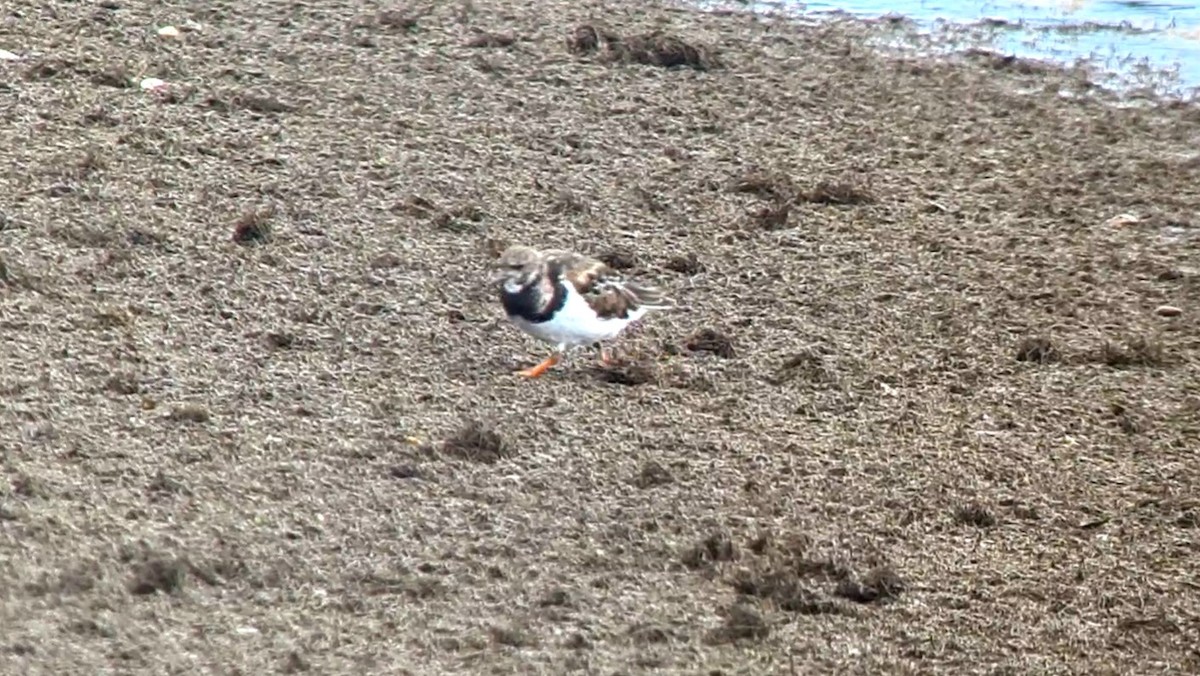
1132	43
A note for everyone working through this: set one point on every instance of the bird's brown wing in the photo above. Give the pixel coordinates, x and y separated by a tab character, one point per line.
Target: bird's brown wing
605	290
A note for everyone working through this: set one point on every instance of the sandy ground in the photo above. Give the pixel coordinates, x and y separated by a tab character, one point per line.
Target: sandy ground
920	409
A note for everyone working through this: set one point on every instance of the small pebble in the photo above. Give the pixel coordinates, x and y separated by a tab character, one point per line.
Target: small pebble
153	83
168	32
1168	311
1122	220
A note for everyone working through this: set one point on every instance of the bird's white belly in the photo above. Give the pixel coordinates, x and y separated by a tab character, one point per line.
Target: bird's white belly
577	324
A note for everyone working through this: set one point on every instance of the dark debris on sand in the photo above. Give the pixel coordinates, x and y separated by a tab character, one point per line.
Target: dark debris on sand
478	442
651	49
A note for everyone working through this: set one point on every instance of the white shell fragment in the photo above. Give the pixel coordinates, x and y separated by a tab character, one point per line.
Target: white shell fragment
152	83
168	32
6	55
1168	311
1121	220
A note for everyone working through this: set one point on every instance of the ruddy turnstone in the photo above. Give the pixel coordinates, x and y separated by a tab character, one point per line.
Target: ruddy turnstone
569	300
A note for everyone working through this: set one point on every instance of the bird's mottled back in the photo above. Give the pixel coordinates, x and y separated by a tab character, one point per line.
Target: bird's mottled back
605	289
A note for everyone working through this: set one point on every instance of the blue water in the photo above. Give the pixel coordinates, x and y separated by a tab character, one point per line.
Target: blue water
1130	44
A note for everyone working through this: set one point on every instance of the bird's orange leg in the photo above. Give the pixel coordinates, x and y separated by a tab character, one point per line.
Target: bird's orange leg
536	371
606	357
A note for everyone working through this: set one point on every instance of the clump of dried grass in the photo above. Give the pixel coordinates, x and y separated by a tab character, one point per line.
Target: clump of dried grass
845	190
158	574
619	259
1018	64
254	226
773	216
764	183
742	621
630	373
1037	349
799	577
975	514
476	441
712	341
650	49
589	39
686	264
487	40
1136	351
714	548
398	18
652	474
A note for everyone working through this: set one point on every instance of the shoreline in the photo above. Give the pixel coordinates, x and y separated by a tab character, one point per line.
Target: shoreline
905	36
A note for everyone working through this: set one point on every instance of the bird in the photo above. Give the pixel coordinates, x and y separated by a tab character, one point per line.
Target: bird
569	300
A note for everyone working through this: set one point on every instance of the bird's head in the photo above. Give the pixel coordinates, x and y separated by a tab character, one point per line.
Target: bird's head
518	266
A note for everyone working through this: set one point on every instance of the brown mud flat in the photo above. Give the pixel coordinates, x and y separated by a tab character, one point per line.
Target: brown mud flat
922	408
